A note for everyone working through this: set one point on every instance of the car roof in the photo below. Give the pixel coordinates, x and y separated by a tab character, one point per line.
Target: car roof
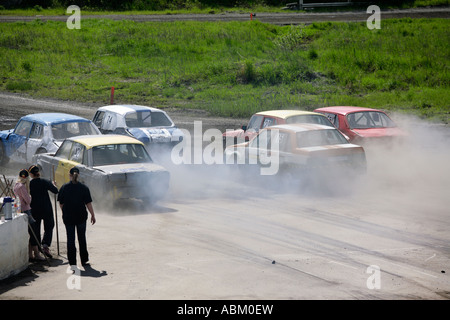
103	139
53	118
286	113
300	127
345	109
127	108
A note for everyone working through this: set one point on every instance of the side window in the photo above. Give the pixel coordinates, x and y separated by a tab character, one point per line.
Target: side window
64	151
76	153
37	131
333	118
269	122
98	118
23	128
132	120
255	122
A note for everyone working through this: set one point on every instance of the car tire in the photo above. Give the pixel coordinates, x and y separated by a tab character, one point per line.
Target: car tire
3	158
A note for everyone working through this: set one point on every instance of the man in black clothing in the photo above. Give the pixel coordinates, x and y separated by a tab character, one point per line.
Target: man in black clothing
74	197
41	207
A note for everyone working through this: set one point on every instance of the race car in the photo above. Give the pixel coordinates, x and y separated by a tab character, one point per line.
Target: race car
151	126
363	125
263	119
40	133
114	167
299	148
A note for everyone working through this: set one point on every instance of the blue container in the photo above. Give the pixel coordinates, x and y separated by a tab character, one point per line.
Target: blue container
7	207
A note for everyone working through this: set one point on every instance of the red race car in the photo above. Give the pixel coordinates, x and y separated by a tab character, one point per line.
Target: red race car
362	125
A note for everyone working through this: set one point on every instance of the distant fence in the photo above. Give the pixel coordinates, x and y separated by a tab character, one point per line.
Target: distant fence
300	5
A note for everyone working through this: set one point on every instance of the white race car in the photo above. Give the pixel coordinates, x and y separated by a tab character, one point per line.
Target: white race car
152	126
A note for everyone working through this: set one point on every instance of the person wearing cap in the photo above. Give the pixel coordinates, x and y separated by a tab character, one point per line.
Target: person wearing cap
74	197
21	192
41	207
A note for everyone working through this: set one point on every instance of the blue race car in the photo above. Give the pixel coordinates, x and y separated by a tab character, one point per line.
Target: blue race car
41	133
152	126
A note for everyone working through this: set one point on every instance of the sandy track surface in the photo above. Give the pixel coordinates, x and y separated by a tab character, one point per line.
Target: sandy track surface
224	234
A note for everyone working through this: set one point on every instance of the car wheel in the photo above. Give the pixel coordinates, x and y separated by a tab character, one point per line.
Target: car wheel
41	150
3	158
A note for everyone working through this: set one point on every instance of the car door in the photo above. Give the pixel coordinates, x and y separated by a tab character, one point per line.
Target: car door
59	164
35	141
105	121
75	159
17	141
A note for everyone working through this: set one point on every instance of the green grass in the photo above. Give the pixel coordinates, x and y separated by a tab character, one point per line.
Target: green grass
233	68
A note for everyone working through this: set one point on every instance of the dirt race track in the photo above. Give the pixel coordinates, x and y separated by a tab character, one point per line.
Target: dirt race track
283	18
220	234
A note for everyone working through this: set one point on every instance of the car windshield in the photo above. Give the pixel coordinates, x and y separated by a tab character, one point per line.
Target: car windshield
310	118
119	154
314	138
146	119
65	130
369	119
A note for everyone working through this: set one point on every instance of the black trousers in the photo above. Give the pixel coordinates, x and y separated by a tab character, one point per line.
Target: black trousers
49	224
80	231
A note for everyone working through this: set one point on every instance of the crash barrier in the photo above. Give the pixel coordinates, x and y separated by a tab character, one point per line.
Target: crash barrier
300	5
13	245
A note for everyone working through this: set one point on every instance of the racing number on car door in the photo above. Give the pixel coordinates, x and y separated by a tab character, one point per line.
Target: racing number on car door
35	140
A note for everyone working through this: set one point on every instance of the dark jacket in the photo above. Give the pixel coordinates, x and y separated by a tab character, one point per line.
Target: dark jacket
74	197
40	200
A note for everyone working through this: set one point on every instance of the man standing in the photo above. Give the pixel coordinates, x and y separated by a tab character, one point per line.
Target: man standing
41	207
74	197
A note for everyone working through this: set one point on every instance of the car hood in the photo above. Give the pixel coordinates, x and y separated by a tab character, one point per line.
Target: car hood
4	133
161	134
379	132
131	168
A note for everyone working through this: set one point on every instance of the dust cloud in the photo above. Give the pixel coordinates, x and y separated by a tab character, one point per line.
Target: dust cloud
410	173
416	169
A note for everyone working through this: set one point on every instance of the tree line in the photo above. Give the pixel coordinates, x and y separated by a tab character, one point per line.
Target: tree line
157	5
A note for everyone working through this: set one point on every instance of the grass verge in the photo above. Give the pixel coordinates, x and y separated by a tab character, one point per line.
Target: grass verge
233	68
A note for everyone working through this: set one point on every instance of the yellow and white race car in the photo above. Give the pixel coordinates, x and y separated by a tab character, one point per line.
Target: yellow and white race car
114	167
